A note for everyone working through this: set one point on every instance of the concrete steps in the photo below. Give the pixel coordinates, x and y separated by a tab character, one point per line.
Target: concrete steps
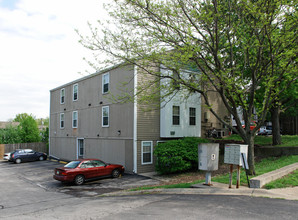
260	181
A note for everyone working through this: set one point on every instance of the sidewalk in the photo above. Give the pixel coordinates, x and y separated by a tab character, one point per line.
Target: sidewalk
216	189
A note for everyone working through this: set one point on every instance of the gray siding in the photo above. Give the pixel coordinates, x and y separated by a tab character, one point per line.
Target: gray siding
148	124
99	142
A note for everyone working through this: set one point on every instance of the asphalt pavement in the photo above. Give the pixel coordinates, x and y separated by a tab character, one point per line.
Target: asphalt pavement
290	193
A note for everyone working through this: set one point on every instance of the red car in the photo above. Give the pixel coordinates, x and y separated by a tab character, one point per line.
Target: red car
81	170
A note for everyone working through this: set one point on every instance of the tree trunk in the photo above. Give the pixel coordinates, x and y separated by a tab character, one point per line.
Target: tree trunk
275	114
250	141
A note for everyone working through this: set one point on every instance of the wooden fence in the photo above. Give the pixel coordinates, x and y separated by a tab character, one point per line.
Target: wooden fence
38	146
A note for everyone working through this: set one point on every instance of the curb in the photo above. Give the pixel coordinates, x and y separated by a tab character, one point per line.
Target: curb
260	181
286	193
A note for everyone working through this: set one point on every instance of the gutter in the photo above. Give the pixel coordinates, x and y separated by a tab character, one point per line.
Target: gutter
135	112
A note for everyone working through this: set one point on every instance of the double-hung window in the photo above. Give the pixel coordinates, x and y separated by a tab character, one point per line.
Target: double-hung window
75	119
105	83
192	116
176	115
62	96
62	120
105	116
75	92
147	152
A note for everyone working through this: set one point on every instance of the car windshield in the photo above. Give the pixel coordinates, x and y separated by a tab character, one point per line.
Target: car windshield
72	164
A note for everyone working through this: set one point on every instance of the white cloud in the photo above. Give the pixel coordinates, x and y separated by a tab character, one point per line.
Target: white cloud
40	50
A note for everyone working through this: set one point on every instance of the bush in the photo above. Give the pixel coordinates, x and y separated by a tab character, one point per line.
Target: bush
177	155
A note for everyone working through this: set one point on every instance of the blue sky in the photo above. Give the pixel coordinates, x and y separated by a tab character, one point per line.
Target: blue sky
40	50
9	4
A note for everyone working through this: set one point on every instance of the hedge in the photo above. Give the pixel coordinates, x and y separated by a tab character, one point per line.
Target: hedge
177	155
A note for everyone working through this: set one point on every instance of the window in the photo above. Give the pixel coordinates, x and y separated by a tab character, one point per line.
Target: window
98	163
105	116
176	115
80	148
75	119
192	116
105	83
62	120
146	152
62	96
75	92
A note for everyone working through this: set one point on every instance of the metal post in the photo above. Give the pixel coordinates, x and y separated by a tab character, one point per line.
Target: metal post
238	177
208	179
230	175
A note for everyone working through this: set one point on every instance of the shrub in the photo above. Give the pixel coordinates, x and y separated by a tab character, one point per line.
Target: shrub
177	155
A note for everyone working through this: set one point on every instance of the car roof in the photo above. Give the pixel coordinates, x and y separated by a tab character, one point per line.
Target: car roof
86	159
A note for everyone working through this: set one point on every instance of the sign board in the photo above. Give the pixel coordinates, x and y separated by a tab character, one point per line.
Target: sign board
233	153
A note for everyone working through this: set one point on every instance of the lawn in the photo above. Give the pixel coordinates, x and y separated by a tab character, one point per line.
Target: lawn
287	181
264	166
287	140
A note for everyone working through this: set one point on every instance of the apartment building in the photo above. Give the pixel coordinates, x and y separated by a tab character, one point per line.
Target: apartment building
87	122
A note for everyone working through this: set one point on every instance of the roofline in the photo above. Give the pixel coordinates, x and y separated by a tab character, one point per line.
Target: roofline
89	76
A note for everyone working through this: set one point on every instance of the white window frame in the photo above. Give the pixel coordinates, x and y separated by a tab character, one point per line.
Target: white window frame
62	96
78	148
77	119
102	116
62	115
73	92
103	82
151	152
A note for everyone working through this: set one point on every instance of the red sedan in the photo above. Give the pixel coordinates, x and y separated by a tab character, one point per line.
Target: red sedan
81	170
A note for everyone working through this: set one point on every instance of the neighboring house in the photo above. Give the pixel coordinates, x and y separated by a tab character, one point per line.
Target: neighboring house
4	124
86	123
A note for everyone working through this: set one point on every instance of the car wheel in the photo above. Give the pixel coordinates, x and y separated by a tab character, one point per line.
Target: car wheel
18	160
79	180
115	173
41	158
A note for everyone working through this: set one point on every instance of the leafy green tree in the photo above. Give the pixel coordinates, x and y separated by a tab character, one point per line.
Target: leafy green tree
29	130
10	135
237	46
285	102
22	116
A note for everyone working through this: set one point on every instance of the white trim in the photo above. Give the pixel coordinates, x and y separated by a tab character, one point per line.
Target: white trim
63	89
103	107
102	82
78	147
77	119
151	152
74	100
135	116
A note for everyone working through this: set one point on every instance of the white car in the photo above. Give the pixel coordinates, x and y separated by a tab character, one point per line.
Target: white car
265	130
6	156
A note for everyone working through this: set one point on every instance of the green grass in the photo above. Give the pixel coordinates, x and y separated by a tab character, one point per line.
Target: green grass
264	166
287	181
287	140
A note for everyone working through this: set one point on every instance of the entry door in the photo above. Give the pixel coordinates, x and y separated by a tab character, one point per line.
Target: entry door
80	148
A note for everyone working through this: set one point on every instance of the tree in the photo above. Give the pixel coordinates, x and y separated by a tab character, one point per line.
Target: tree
22	116
10	135
285	102
237	46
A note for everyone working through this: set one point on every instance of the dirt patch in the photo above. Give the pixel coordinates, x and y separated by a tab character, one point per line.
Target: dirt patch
191	176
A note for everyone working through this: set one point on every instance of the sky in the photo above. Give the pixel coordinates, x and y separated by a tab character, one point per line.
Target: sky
39	51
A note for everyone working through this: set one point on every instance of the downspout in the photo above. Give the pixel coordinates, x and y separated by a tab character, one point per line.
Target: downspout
135	153
50	127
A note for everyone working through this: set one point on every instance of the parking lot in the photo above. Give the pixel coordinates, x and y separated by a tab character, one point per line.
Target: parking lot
40	174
